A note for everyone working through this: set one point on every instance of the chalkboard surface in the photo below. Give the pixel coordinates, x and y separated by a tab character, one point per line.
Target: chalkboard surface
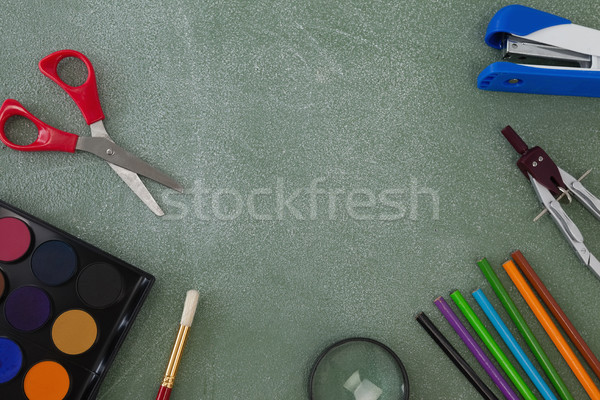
341	169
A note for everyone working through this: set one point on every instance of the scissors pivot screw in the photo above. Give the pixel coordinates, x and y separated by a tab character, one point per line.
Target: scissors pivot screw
110	152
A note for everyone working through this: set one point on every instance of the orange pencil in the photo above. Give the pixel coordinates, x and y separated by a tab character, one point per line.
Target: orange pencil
551	329
559	315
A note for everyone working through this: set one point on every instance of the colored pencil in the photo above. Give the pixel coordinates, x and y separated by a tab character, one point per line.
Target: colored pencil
475	349
492	346
456	358
526	332
513	345
552	330
558	313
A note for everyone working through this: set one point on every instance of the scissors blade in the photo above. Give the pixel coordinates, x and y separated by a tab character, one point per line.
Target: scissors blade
131	179
137	186
114	154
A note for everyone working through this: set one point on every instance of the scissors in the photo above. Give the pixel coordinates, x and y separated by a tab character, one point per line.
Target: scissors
125	164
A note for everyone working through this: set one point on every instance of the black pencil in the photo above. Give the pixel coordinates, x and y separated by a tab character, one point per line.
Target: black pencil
456	358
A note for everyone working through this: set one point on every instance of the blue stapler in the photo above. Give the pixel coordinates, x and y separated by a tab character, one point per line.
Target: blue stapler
544	53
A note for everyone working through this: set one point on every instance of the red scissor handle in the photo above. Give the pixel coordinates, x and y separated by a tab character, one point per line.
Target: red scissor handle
49	138
85	95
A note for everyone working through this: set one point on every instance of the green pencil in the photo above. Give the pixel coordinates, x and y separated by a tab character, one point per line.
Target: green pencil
492	346
528	335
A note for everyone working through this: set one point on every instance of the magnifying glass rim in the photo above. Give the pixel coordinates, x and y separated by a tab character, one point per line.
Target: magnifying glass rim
359	339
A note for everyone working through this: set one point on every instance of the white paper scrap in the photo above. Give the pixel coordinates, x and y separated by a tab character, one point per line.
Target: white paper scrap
352	383
367	390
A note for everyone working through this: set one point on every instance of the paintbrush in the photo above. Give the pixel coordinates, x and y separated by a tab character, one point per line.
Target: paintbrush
187	317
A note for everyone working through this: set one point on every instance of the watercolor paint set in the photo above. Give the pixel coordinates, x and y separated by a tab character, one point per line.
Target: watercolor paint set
65	309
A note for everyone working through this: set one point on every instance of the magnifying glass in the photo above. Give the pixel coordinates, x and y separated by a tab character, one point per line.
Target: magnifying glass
358	369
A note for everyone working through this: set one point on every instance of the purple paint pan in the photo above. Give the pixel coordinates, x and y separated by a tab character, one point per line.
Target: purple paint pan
27	308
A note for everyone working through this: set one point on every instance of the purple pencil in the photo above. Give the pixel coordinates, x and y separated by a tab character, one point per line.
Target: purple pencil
479	354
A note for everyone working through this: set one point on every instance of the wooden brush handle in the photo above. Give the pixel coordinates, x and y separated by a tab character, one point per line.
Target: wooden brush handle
163	393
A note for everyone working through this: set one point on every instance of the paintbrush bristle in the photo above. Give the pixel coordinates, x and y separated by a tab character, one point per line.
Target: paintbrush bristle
189	308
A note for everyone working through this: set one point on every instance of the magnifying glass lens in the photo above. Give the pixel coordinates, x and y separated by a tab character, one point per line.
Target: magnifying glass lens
358	369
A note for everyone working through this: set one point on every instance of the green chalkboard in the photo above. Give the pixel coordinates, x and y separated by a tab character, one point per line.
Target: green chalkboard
341	169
